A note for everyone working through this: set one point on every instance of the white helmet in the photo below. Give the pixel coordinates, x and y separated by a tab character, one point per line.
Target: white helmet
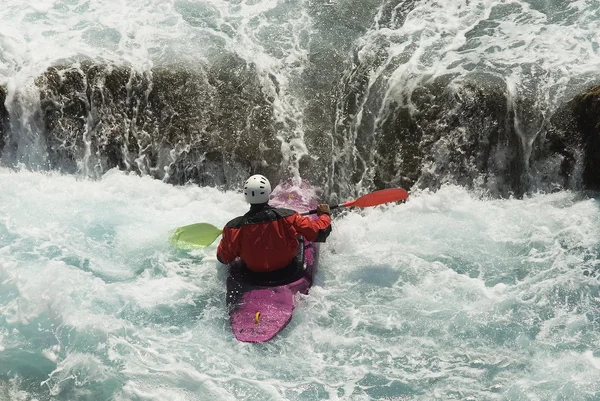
257	189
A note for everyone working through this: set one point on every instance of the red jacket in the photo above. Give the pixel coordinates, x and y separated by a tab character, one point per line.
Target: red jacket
265	237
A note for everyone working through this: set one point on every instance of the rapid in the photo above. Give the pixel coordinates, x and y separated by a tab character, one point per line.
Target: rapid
470	290
447	296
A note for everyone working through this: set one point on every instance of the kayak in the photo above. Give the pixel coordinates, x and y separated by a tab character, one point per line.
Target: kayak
258	311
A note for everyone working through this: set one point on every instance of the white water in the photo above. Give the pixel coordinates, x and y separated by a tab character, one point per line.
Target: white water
447	296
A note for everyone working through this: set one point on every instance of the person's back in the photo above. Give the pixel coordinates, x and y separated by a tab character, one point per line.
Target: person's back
265	238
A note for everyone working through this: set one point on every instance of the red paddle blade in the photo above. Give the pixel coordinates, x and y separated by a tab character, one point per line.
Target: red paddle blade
379	198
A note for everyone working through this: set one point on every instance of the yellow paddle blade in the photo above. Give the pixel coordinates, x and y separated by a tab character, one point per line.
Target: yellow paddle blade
195	236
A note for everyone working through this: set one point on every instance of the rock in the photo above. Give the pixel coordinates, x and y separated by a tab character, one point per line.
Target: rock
452	130
466	130
215	125
209	126
4	125
468	136
575	134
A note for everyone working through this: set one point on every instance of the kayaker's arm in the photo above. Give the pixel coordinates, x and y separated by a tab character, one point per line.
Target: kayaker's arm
310	228
226	252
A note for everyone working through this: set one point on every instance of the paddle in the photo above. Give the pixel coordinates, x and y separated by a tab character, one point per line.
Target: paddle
195	236
203	234
372	199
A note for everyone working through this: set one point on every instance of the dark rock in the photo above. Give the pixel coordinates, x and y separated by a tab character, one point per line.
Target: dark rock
209	126
467	130
215	125
573	136
3	119
452	130
468	136
588	117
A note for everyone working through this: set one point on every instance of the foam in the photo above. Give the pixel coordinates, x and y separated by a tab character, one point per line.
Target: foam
449	293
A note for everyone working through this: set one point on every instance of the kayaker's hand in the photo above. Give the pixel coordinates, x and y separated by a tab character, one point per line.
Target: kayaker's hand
323	209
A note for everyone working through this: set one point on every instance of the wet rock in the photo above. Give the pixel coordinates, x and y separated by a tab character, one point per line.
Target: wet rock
557	151
471	137
208	126
451	130
574	132
467	130
214	125
588	117
3	119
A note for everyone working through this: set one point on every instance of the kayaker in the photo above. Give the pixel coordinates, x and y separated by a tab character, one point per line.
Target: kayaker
265	238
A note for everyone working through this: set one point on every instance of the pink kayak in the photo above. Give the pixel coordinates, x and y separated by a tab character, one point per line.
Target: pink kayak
258	311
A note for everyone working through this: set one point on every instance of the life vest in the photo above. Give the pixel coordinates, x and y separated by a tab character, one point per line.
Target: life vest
265	237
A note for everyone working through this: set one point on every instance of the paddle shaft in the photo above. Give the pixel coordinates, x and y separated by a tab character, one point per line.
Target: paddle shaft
315	210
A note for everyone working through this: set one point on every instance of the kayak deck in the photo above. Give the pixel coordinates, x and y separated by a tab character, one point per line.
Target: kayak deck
258	312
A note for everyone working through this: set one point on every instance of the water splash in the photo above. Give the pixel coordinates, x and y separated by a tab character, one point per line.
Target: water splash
449	294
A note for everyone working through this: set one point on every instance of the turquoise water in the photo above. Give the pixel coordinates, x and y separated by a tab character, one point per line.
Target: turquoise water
448	296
